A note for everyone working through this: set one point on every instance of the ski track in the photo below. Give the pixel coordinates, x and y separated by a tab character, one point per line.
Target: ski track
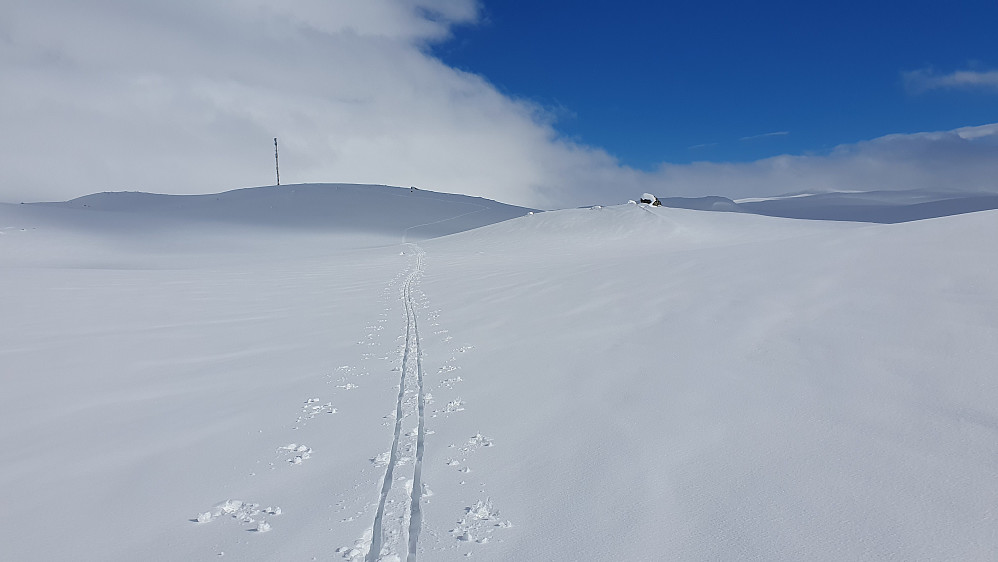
410	387
415	508
399	521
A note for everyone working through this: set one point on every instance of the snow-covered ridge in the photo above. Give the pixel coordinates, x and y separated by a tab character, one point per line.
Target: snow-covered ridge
885	207
331	207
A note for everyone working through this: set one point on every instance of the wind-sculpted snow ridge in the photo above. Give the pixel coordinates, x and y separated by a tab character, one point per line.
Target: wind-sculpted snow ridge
378	209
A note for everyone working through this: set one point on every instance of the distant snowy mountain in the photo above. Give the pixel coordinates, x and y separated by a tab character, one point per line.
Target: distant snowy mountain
886	207
373	373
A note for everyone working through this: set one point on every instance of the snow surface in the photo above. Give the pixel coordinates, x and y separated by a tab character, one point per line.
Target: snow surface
186	378
886	207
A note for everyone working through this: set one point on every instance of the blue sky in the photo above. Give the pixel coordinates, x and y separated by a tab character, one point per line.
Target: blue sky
545	104
685	81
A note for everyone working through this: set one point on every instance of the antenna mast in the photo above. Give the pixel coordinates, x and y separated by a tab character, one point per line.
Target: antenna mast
277	163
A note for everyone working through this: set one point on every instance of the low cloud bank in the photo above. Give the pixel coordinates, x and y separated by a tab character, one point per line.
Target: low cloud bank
964	159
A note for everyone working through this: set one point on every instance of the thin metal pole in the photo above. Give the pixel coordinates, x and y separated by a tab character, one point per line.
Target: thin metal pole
277	163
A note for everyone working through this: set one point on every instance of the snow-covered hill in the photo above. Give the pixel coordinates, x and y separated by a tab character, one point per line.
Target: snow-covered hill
190	377
350	208
886	207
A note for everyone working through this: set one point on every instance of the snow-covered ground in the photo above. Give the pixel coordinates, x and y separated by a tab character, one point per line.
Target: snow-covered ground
186	378
884	207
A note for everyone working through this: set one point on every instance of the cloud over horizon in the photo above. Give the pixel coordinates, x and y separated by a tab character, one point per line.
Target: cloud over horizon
186	97
927	79
964	159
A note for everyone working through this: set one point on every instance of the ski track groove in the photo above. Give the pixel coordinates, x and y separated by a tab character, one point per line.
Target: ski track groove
415	508
409	369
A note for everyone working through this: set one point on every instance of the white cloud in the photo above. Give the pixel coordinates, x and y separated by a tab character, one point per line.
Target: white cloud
928	79
766	135
185	96
964	159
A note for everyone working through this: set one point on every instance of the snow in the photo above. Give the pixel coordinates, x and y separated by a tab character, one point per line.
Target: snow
857	206
621	382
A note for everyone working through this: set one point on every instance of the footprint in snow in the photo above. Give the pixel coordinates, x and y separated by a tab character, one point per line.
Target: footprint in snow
241	511
449	383
382	459
299	453
479	522
476	441
456	405
312	408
